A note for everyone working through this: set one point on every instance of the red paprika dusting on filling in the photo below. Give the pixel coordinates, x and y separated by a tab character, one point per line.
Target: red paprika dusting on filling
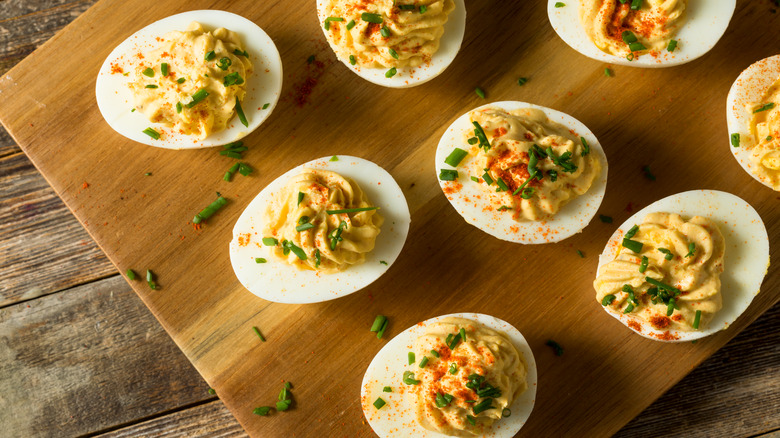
660	322
635	326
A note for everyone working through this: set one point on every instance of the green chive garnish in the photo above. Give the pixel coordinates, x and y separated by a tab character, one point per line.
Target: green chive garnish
232	79
210	210
607	300
304	227
239	52
628	308
453	368
210	55
151	86
180	80
152	133
484	405
448	175
487	178
334	158
270	241
735	139
224	63
262	410
387	389
408	378
385	32
381	331
179	107
667	254
585	147
608	73
462	334
474	178
670	307
632	232
288	246
472	421
555	346
579	253
423	9
559	4
665	286
393	53
410	357
636	4
479	92
455	157
672	45
379	403
351	210
522	81
351	24
352	59
390	73
148	72
240	112
605	219
424	362
130	274
260	260
502	187
198	97
643	264
150	279
691	249
311	58
371	18
378	321
257	332
212	391
506	412
697	319
633	245
435	353
329	19
765	107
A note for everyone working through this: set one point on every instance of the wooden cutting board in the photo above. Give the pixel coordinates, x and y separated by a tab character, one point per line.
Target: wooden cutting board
671	119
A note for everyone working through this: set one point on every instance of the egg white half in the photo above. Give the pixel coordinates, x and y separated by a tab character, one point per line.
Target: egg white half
746	91
471	203
386	369
454	30
705	23
115	100
282	283
746	258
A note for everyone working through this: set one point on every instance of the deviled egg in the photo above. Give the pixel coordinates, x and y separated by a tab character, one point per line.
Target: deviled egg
753	116
191	80
394	44
464	374
685	266
322	230
521	172
641	33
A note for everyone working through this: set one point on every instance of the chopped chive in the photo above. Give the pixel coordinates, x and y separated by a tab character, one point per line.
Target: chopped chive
455	157
408	378
697	320
453	368
607	300
672	45
132	110
317	258
643	264
527	193
605	219
304	227
151	86
334	158
585	147
239	52
522	81
329	19
479	92
283	405
232	79
691	249
385	32
636	47
636	4
270	241
379	403
475	179
455	342
381	331
383	262
487	178
628	37
502	187
231	154
407	7
630	56
257	332
448	175
148	174
311	58
212	391
579	253
560	4
393	53
351	24
555	346
649	175
435	353
130	274
668	255
390	73
484	405
378	321
462	334
352	59
148	72
262	410
765	107
506	412
387	389
210	210
633	245
735	139
423	9
480	134
210	55
473	140
224	63
150	279
628	308
351	210
371	18
442	400
410	357
179	107
244	169
661	285
472	421
424	362
670	307
608	73
180	80
289	246
152	133
198	97
632	232
260	260
240	112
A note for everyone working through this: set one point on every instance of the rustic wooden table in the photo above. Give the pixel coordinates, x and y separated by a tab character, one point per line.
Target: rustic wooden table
82	355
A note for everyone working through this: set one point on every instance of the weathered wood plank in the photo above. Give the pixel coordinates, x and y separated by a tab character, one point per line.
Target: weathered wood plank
43	248
734	393
7	145
212	419
25	25
87	360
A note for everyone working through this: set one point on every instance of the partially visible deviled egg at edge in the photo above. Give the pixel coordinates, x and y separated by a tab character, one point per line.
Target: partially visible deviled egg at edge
398	46
263	87
262	266
695	31
505	201
742	256
391	395
753	117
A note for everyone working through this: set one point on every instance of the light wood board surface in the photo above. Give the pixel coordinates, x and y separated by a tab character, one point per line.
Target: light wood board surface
323	349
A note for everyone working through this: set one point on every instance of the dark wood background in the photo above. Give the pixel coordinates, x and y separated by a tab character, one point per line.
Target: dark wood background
81	355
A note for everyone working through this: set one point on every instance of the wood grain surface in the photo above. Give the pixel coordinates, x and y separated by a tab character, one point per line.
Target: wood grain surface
427	206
